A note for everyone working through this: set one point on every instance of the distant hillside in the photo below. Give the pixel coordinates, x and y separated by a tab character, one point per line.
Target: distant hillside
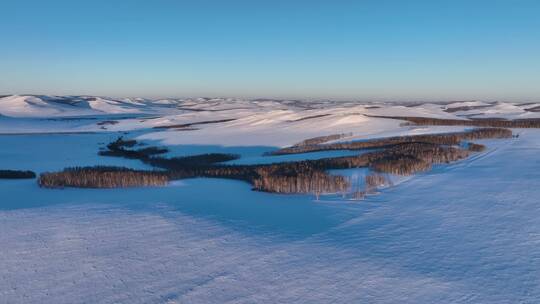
53	106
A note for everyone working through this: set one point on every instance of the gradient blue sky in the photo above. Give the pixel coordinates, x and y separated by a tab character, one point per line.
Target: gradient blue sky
379	49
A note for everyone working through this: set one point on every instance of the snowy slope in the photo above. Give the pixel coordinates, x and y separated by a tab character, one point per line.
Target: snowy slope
275	124
32	106
467	232
259	122
464	233
58	106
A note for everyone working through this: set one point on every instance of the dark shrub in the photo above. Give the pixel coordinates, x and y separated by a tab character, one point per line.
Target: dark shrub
16	174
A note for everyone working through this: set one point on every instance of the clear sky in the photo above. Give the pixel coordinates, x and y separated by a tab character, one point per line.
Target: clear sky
376	49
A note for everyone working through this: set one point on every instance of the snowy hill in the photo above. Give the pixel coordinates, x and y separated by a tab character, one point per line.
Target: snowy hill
237	122
56	106
63	106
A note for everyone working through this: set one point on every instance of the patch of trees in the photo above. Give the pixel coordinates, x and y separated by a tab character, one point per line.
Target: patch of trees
402	158
188	125
107	122
374	181
310	117
119	148
308	175
466	108
475	147
533	109
410	158
478	122
402	155
321	139
120	142
102	177
441	139
192	162
310	181
402	165
16	174
135	154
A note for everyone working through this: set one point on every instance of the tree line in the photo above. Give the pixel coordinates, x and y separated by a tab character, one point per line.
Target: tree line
477	122
440	139
102	177
321	139
402	155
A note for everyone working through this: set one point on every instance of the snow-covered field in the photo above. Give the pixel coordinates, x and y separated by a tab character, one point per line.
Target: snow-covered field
468	232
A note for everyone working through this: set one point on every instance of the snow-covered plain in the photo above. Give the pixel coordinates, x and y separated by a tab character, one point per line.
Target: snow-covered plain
468	232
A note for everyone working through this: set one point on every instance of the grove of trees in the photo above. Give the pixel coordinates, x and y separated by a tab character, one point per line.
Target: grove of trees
440	139
102	177
403	155
477	122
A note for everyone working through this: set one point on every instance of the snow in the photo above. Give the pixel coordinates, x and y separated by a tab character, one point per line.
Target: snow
65	106
30	106
474	103
466	232
507	111
216	265
474	240
110	106
277	128
424	110
53	152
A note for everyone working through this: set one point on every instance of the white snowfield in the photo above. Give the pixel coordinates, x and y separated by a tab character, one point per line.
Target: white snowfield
246	122
467	232
58	106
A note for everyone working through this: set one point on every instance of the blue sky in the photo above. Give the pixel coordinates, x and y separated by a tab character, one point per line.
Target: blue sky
368	50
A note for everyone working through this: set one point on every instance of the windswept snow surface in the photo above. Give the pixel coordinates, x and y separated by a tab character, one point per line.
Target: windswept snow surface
468	232
68	106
